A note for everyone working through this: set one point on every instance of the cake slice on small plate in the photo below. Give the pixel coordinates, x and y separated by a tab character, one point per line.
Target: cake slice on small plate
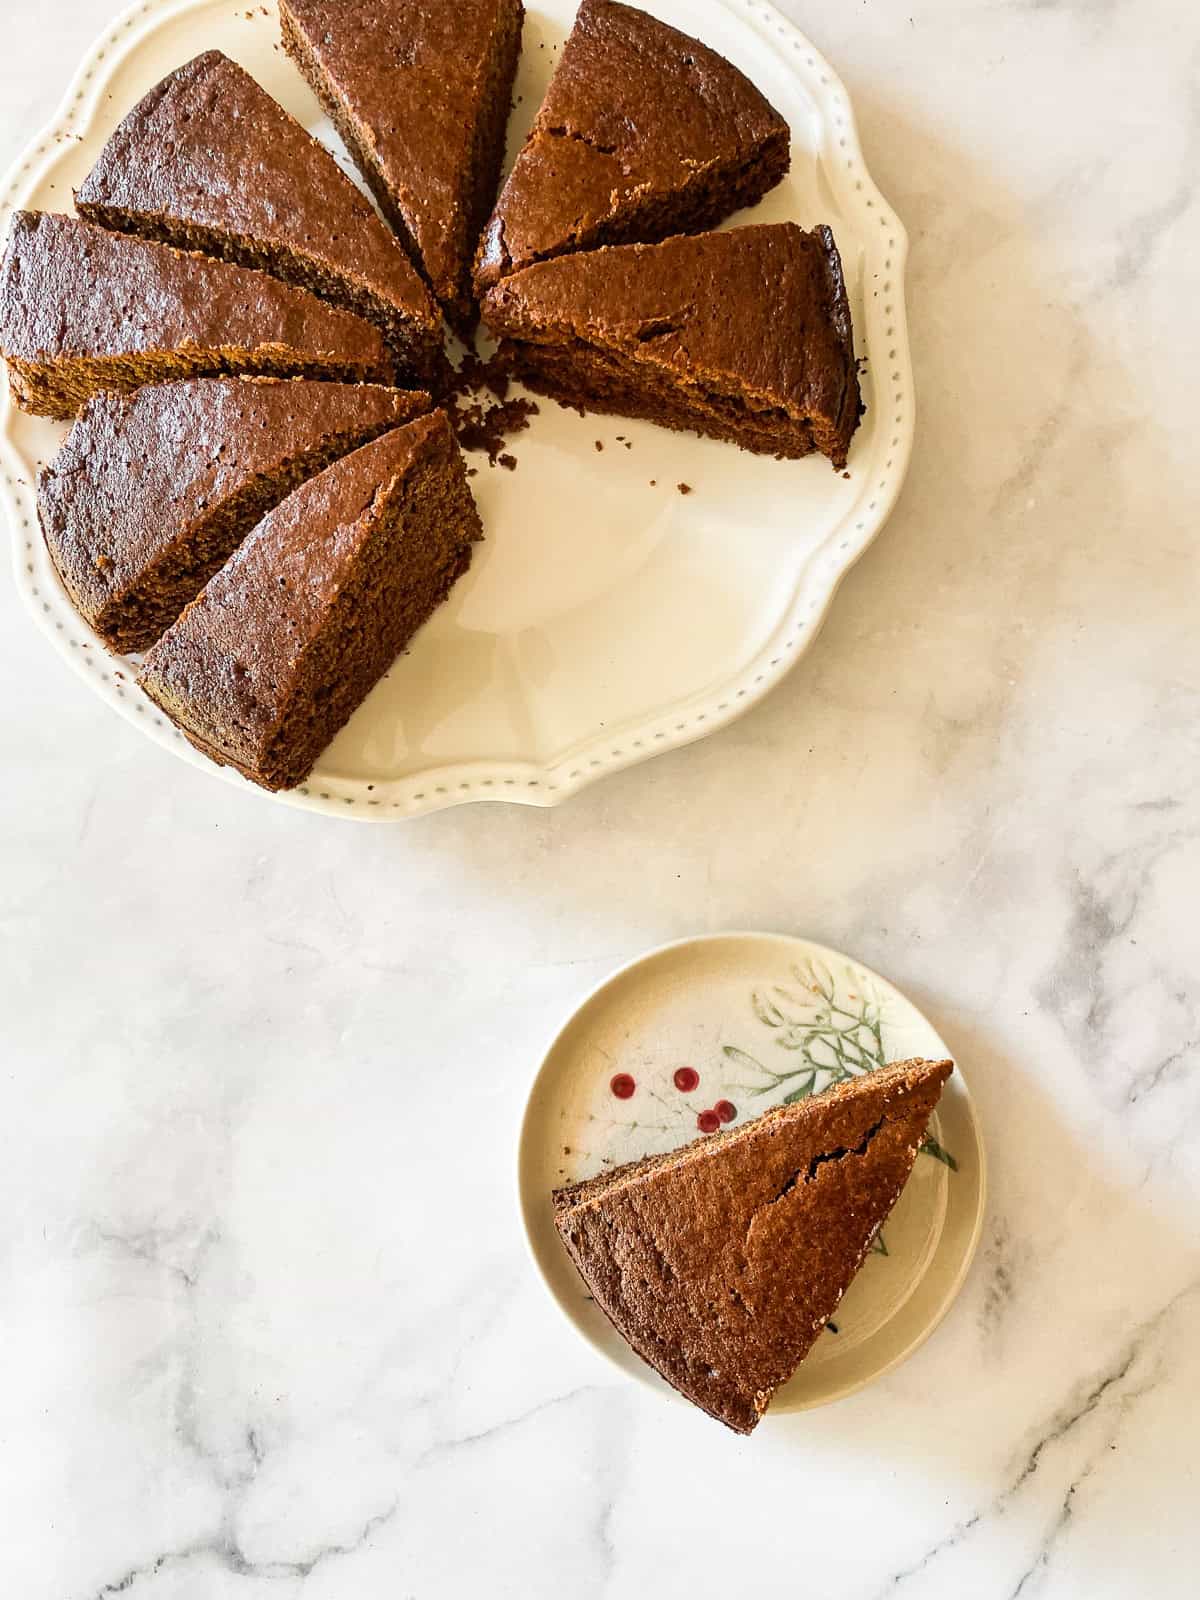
644	132
420	94
743	335
721	1263
281	646
208	161
152	492
82	310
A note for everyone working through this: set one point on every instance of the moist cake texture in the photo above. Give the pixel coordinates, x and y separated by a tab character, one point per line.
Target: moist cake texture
419	91
208	161
721	1263
83	309
743	335
152	492
286	640
644	132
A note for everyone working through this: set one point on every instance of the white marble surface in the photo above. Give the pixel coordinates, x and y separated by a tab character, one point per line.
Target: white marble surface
266	1321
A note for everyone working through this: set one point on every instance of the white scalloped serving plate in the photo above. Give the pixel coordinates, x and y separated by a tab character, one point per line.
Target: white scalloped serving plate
606	618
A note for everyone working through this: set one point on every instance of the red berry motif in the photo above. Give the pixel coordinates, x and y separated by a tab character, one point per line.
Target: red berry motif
726	1110
708	1122
622	1085
686	1079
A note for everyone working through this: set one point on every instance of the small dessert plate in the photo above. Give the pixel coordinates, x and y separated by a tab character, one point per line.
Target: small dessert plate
714	1031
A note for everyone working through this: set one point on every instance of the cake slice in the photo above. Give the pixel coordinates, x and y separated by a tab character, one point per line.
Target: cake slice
280	647
721	1262
420	95
82	309
208	161
743	335
644	132
152	492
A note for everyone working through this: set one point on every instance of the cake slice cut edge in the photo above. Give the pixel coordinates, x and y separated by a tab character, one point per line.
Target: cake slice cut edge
720	1263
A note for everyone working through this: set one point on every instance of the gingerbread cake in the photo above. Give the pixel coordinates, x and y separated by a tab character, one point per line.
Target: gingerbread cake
152	492
743	335
721	1263
644	132
83	309
208	161
419	91
282	645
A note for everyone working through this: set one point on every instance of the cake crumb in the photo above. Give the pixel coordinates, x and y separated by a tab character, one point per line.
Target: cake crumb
684	488
653	483
599	444
628	446
846	475
509	463
478	423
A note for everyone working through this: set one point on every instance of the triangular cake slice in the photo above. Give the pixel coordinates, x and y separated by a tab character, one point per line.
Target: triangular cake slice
644	132
721	1263
743	335
281	646
82	310
420	95
208	161
152	492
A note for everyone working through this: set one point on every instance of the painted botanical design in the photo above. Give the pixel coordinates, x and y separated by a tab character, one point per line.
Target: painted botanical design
829	1034
810	1033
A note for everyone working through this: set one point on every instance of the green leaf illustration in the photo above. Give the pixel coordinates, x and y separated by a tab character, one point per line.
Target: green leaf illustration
802	1090
766	1011
930	1147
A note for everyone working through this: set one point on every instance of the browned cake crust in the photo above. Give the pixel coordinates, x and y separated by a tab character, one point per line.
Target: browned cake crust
288	638
419	91
743	335
720	1263
82	310
208	161
644	132
152	492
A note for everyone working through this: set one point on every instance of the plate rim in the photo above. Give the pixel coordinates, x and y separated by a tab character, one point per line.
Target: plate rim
647	1378
604	751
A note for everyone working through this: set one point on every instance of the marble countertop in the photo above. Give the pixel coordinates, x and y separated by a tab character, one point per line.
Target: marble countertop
267	1322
